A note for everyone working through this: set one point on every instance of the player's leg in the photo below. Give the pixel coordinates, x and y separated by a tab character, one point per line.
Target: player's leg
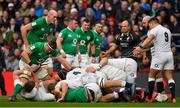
18	86
84	60
48	65
171	82
157	64
151	82
116	83
131	70
169	68
159	83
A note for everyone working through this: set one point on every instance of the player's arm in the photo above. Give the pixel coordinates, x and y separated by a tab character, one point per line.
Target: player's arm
147	41
24	30
92	46
78	52
64	62
112	48
59	41
138	50
50	37
64	89
25	55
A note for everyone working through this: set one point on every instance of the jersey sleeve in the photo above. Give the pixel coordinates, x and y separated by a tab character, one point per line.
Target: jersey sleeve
62	34
152	32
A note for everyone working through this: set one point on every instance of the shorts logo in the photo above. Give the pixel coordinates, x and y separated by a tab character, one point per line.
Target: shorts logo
156	65
132	74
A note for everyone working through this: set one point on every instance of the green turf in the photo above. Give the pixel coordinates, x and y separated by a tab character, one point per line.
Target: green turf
23	103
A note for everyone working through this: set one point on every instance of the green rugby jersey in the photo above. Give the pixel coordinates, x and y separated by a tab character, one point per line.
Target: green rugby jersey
40	30
38	54
84	38
69	41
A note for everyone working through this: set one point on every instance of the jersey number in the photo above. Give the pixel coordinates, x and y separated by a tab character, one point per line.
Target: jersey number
76	73
166	37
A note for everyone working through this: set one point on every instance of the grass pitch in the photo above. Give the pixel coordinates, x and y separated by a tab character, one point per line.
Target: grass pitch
4	102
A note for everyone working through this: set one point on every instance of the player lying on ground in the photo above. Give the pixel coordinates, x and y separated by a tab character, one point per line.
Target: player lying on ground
79	78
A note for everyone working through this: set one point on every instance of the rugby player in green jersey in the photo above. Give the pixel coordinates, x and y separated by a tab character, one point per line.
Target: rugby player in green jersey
85	37
40	30
36	54
97	42
90	92
67	42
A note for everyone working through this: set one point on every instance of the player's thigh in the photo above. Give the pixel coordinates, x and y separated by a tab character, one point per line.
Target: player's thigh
131	68
69	59
121	76
23	65
96	89
42	74
158	61
84	60
169	65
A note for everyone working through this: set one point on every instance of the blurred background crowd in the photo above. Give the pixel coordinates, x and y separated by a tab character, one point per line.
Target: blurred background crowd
111	13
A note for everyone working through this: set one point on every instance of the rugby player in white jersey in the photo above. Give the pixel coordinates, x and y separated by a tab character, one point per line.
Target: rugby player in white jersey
127	67
162	57
80	78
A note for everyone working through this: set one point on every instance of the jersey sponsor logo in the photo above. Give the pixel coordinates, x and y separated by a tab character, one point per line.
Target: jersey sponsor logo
132	75
156	65
69	35
82	42
88	37
34	23
74	41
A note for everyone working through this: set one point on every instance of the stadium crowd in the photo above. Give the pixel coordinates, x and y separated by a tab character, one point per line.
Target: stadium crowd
119	23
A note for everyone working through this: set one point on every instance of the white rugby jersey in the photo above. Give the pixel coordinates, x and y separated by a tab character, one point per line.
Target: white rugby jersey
118	63
162	40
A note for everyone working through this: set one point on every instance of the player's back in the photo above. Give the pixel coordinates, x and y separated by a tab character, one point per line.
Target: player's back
162	40
75	74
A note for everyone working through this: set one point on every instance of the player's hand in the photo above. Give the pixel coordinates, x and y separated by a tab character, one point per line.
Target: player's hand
26	45
137	51
60	100
93	60
35	67
90	69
